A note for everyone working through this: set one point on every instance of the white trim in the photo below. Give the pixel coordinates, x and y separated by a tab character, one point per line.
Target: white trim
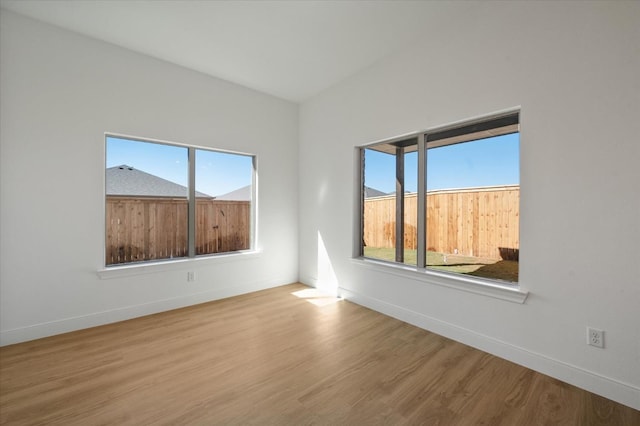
253	238
142	268
485	287
171	143
616	390
36	331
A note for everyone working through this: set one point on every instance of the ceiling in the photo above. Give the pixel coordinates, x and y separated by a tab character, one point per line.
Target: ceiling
289	49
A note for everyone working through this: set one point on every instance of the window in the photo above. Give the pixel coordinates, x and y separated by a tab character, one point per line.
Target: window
167	201
390	179
445	200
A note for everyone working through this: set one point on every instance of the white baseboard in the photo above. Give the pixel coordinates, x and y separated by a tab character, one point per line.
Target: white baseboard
604	386
37	331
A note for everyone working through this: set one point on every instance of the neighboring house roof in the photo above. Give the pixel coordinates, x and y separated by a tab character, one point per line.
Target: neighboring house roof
406	192
127	181
240	194
371	192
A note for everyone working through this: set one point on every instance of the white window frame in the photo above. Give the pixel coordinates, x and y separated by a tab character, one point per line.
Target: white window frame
185	262
494	288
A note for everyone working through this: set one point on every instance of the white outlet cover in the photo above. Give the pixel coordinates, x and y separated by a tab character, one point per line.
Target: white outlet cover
595	337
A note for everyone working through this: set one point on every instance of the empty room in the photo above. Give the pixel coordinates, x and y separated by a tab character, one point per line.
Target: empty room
314	212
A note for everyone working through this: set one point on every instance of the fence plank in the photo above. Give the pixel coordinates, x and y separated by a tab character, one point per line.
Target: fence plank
140	229
481	222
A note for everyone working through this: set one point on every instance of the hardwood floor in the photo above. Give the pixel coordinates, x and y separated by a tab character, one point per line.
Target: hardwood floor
273	358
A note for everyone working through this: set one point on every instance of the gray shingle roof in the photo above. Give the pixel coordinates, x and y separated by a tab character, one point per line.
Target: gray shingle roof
371	192
127	181
240	194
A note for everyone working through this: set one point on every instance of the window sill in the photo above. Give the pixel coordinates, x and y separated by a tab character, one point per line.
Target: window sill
485	287
174	264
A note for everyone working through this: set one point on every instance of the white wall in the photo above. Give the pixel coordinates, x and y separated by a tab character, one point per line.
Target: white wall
573	68
60	93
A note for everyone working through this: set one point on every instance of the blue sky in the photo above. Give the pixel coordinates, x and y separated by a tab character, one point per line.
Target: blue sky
216	173
485	162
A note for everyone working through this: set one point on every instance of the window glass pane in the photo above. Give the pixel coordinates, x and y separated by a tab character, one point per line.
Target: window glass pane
473	191
146	201
382	202
223	201
410	207
379	217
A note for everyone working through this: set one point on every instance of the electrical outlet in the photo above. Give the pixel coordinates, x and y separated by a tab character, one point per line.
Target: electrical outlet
191	276
595	337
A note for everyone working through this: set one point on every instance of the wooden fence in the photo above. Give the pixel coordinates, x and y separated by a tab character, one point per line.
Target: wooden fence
139	229
479	222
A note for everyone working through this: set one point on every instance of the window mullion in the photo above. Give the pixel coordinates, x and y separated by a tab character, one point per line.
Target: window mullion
399	204
253	233
422	202
191	240
361	201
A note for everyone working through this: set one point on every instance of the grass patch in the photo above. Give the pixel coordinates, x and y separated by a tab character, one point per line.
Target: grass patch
506	270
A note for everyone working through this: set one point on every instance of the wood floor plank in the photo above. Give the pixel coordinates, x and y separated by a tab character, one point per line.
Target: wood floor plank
273	358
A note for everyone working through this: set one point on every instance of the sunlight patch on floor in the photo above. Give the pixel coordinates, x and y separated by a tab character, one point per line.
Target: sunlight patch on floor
316	296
